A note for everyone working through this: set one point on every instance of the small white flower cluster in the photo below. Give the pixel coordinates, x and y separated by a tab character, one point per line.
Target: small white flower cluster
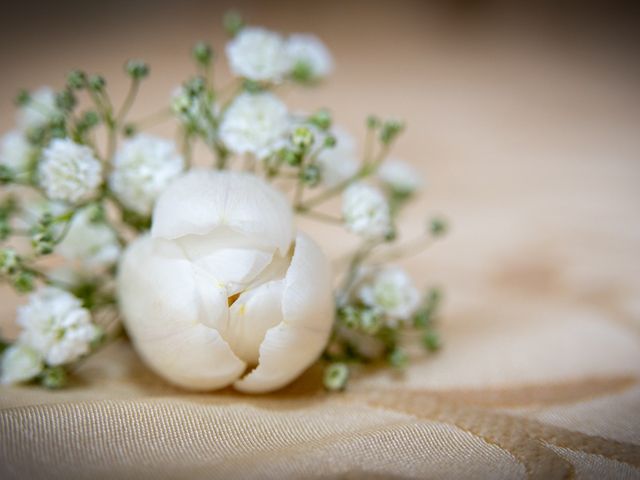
400	177
142	169
340	162
255	124
92	244
366	211
15	151
69	172
56	330
262	55
391	292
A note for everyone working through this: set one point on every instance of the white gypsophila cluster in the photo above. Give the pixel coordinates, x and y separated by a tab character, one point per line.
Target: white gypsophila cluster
258	54
366	211
142	169
39	109
400	176
339	162
307	53
15	151
55	325
392	292
91	244
20	363
69	171
255	123
196	110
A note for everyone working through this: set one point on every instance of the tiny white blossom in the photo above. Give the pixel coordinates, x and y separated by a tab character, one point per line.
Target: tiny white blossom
391	291
366	211
308	54
258	54
339	162
196	110
400	176
39	110
20	363
69	171
56	325
142	168
15	151
255	123
92	244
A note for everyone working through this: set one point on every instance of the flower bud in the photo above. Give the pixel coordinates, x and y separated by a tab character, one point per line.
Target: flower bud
66	100
23	98
202	54
9	261
398	358
232	22
390	130
23	282
97	83
76	79
6	175
330	141
431	341
53	377
370	321
336	376
310	175
438	227
321	119
373	122
137	69
302	138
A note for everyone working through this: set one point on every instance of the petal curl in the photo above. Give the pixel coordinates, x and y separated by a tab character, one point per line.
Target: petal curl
162	313
202	201
292	346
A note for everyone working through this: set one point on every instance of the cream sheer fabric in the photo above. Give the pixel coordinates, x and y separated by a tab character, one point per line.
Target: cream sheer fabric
532	154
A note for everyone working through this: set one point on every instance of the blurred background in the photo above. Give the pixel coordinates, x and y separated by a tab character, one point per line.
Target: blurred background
523	117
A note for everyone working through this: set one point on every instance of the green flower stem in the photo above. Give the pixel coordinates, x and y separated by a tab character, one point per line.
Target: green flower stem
408	249
128	101
153	119
323	217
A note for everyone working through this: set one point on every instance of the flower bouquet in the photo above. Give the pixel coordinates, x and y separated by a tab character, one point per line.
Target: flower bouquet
106	226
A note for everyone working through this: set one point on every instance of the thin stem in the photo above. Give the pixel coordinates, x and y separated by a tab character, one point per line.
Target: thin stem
154	119
323	217
409	249
128	101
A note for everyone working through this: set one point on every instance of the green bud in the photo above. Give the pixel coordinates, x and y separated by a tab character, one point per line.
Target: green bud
195	86
438	227
42	243
336	376
9	261
203	54
397	358
23	282
23	98
390	130
350	316
290	157
302	138
370	322
53	377
129	130
36	136
97	83
66	100
76	79
232	22
330	141
6	175
137	69
373	122
302	72
310	175
431	341
252	86
391	235
321	119
96	213
91	118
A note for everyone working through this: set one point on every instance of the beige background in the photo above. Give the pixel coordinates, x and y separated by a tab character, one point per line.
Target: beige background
526	126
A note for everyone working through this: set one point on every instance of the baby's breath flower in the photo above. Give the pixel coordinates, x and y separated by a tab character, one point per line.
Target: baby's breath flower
255	123
92	244
366	211
20	363
143	167
15	151
56	326
338	162
336	376
400	176
258	54
392	292
309	57
69	171
38	109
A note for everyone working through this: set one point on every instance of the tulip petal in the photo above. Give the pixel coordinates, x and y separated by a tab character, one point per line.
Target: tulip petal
253	313
160	303
294	344
202	201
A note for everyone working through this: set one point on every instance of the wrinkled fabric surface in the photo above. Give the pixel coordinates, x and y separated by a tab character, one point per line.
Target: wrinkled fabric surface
531	150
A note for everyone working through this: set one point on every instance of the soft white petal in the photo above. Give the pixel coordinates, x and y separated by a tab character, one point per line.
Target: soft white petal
201	202
162	311
253	313
290	347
